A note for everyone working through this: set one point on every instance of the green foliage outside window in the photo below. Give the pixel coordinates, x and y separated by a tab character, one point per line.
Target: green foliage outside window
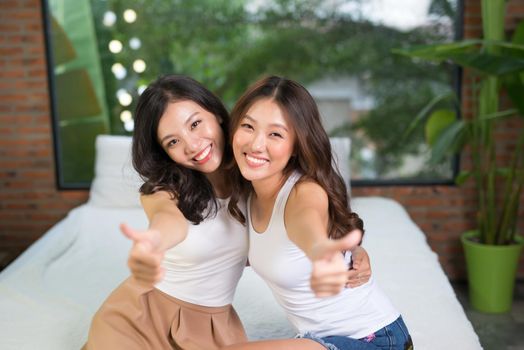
227	44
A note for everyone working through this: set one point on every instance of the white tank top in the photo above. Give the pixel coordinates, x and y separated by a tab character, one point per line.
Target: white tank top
355	312
205	267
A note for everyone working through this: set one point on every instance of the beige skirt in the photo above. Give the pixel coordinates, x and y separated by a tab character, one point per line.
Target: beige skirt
134	317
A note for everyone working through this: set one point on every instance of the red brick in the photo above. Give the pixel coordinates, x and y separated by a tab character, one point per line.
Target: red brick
11	74
6	5
21	206
9	27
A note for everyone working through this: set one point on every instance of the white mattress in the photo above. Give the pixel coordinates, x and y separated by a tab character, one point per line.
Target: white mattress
49	294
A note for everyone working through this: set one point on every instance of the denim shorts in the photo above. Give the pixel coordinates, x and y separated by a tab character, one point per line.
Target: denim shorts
394	336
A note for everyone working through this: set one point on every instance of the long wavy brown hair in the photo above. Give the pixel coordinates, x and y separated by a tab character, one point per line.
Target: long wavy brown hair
192	190
313	157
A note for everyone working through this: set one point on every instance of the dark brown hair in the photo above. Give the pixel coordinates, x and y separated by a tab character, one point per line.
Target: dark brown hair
313	157
192	189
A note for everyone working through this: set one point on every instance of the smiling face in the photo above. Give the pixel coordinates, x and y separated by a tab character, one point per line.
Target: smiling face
191	136
263	142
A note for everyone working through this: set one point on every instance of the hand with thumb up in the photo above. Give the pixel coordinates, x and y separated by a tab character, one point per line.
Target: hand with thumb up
146	255
330	273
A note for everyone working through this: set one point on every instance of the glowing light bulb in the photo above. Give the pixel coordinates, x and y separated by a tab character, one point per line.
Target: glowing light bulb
135	43
109	19
139	66
129	125
119	71
129	16
141	89
124	97
126	116
115	46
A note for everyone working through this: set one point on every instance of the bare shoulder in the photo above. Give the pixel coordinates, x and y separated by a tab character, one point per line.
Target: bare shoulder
159	201
307	214
308	193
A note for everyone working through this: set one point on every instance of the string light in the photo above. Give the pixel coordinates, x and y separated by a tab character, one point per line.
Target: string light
129	16
135	43
109	19
139	66
119	71
115	46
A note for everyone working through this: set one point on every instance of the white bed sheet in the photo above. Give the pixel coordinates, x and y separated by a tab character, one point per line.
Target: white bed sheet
49	294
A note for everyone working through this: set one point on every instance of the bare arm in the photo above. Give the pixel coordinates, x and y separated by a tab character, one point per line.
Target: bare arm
306	217
165	217
306	220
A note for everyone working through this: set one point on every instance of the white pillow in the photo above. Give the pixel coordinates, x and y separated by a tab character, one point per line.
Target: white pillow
341	148
116	182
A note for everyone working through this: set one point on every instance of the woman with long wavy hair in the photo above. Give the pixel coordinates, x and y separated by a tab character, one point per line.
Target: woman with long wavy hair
186	265
297	210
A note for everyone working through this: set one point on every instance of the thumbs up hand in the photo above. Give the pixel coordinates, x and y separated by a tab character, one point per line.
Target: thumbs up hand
330	273
145	256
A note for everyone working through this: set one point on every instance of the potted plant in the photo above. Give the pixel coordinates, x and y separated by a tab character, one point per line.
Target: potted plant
492	250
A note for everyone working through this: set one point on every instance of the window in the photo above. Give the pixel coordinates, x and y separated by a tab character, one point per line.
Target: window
104	52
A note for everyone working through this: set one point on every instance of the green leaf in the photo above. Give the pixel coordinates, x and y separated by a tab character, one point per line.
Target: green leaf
438	121
462	177
514	84
503	171
424	112
471	54
439	52
512	49
486	63
496	115
518	35
449	141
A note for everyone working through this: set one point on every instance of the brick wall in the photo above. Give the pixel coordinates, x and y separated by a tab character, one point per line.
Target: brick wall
30	203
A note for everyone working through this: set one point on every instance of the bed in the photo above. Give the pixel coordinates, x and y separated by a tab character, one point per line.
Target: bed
49	294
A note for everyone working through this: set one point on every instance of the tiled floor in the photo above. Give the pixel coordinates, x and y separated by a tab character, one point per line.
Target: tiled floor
497	331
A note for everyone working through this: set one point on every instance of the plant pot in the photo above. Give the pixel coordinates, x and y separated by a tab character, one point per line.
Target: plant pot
491	273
